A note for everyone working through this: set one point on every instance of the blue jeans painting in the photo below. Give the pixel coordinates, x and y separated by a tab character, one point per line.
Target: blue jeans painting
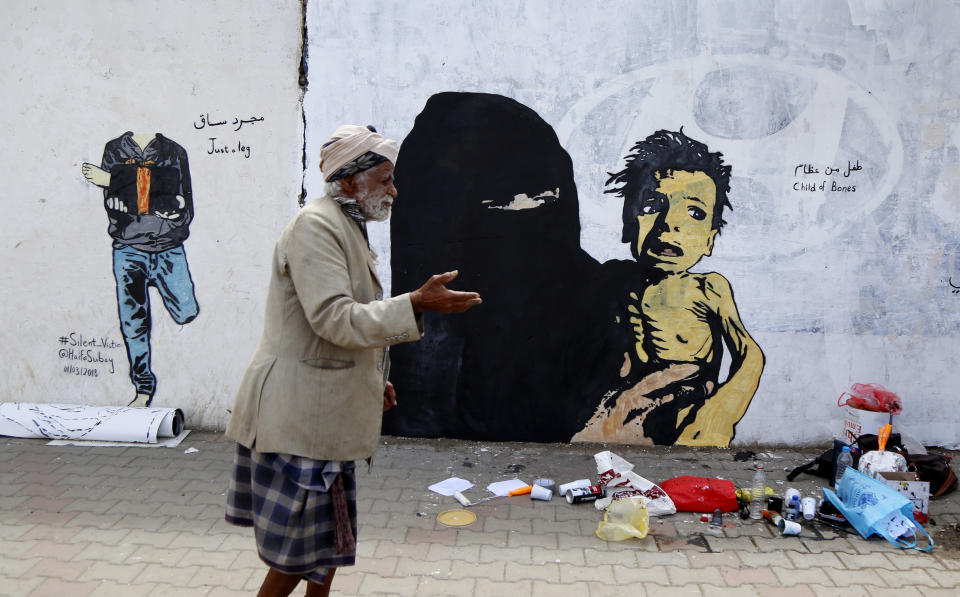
135	271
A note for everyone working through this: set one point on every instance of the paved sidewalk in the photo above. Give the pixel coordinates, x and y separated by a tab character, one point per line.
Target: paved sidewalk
77	521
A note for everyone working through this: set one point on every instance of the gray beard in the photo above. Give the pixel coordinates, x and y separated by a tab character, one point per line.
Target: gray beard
373	207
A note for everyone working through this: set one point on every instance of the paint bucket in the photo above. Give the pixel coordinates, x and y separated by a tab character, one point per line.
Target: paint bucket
775	504
546	484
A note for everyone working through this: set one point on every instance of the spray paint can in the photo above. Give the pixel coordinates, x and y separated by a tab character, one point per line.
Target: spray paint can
717	520
716	523
562	490
577	495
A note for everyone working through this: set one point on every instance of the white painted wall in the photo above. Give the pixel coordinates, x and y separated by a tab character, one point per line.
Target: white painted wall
836	287
77	74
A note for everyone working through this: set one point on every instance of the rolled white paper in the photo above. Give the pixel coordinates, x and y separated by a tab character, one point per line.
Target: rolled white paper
84	422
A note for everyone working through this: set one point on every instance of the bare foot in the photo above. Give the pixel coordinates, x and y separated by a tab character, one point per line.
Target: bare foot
141	401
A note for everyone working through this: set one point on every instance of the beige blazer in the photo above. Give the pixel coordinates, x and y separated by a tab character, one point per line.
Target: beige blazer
314	387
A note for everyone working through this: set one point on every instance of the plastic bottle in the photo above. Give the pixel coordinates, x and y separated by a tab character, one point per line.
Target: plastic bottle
757	492
843	461
793	508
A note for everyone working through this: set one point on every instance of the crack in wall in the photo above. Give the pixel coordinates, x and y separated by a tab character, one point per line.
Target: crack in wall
303	82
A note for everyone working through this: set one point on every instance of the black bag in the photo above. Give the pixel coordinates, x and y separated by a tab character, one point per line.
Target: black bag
936	469
933	468
821	466
868	443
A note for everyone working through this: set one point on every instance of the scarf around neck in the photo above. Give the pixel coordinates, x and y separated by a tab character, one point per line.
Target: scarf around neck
352	209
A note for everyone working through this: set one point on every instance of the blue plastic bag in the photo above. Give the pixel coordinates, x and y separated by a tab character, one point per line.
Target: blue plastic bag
875	509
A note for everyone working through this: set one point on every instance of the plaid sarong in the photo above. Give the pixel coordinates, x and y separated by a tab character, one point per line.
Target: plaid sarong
294	526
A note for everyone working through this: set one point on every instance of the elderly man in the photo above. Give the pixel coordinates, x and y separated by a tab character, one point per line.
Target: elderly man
312	398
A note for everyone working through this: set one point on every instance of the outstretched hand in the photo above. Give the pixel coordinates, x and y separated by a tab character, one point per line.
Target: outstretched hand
434	296
389	397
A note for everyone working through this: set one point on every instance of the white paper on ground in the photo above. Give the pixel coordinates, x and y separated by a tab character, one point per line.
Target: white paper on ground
84	422
450	486
503	488
166	442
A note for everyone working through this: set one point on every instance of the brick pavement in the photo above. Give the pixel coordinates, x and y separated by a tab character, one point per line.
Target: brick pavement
78	521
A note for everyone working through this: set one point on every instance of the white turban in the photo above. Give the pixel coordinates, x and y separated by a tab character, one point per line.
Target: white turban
351	141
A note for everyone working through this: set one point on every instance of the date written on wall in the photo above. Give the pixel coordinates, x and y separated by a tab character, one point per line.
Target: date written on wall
810	178
220	146
87	356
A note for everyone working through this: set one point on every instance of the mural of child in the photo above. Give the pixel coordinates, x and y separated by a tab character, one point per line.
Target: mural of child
148	197
674	191
627	351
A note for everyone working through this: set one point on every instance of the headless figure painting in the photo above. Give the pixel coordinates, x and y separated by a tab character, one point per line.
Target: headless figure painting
148	199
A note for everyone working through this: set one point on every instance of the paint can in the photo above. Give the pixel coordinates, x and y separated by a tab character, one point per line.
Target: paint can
546	484
716	523
578	483
717	519
577	495
775	504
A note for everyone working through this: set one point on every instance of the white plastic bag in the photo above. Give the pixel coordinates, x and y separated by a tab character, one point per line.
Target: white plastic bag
624	519
617	476
876	462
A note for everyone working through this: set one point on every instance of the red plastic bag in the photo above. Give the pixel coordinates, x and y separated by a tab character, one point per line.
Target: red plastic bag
872	397
700	494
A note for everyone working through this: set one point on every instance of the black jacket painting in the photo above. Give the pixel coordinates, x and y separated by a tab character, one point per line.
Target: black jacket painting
148	182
